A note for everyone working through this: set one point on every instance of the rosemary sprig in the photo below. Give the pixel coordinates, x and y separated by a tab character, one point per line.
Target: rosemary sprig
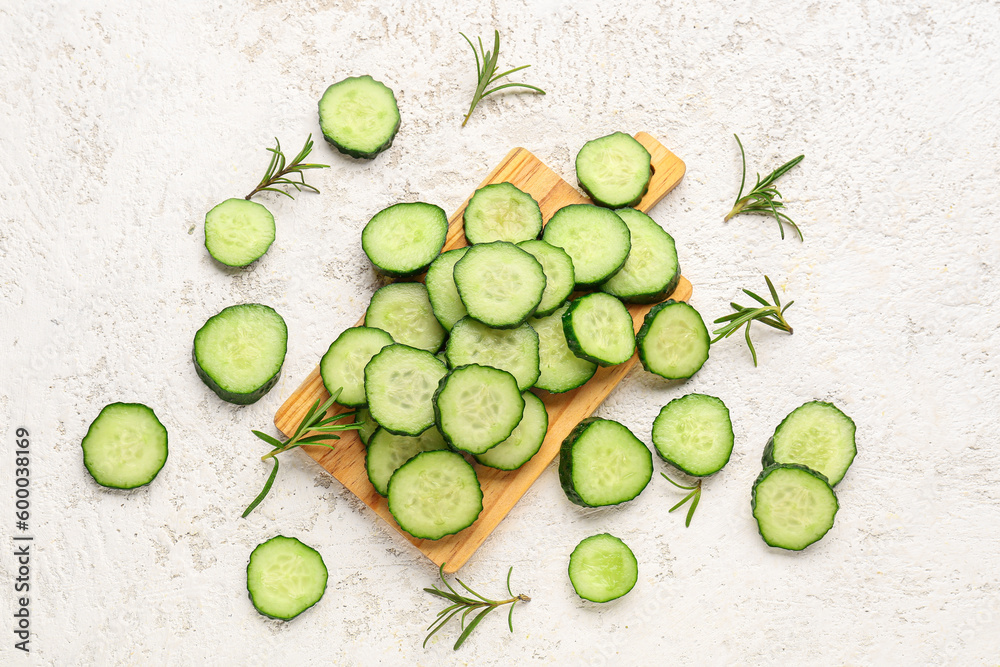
466	605
278	171
771	315
314	422
764	197
486	72
694	497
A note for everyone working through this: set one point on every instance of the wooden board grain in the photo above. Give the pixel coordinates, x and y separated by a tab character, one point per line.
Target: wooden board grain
501	490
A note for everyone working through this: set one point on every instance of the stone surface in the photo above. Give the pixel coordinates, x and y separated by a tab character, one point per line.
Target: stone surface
123	126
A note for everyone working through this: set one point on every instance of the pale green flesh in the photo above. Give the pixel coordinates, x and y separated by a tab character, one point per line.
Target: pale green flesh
435	494
614	169
595	238
386	452
478	407
695	434
818	436
403	310
559	369
610	464
501	212
238	231
499	283
126	446
370	425
512	350
359	113
559	275
676	344
242	347
652	260
405	238
343	365
793	508
285	577
603	329
441	289
524	442
400	383
602	568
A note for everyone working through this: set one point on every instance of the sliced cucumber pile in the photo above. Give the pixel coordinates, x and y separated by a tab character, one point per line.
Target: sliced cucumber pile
614	170
602	568
125	446
500	284
559	369
602	463
285	577
435	494
238	231
386	452
793	505
343	365
501	212
400	382
403	239
239	352
359	116
512	350
817	435
403	310
560	278
524	442
651	271
441	290
595	238
694	434
477	407
673	341
598	327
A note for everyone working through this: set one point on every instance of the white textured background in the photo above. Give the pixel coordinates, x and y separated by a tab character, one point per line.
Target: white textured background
120	128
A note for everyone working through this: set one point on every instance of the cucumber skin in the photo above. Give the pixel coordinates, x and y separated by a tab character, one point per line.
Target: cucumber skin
566	464
165	444
574	343
647	323
361	154
767	471
250	595
233	397
767	459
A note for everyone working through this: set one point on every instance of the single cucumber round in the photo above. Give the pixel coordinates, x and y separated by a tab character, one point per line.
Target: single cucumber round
369	425
359	116
500	284
559	369
614	170
602	568
441	289
793	505
501	212
598	328
403	310
559	276
524	442
403	239
694	434
817	435
400	382
285	577
596	239
238	231
435	494
602	463
651	271
673	341
125	446
477	407
386	452
343	365
239	352
512	350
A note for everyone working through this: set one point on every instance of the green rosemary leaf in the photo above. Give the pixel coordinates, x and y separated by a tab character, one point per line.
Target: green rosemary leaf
764	197
486	72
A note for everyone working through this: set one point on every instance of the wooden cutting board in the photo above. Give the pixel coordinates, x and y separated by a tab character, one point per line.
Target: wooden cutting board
501	490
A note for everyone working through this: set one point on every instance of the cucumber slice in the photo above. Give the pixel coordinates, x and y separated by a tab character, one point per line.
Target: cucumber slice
793	505
403	239
238	231
673	341
435	494
524	442
598	327
614	170
477	407
359	116
369	427
511	350
400	382
602	568
343	365
239	352
651	271
817	435
559	275
403	310
441	290
559	369
500	284
694	434
501	212
125	446
602	463
386	452
285	577
596	239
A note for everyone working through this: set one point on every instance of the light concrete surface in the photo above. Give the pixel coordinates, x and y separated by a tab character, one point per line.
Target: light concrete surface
121	124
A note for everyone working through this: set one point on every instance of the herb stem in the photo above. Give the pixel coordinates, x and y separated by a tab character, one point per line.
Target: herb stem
486	72
278	171
764	196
